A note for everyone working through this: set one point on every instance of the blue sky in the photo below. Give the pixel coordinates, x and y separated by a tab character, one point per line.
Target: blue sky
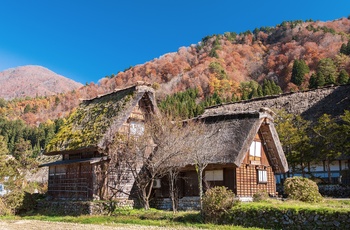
86	40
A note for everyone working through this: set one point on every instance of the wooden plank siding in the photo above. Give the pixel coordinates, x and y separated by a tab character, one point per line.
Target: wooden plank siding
72	181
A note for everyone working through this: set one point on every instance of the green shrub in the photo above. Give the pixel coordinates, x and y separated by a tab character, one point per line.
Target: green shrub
4	211
217	201
260	195
14	201
303	189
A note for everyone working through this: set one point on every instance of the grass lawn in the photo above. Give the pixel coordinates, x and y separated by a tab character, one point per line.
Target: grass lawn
327	204
190	219
183	219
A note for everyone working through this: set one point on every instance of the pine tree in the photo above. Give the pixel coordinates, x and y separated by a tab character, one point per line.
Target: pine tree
260	91
345	48
300	69
343	77
313	84
326	72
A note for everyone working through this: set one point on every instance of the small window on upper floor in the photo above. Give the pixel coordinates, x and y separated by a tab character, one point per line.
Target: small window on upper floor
255	149
137	128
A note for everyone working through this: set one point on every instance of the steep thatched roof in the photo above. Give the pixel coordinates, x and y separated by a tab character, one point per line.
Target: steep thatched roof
95	121
236	132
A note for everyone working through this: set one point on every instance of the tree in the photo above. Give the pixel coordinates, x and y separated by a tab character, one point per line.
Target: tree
326	141
343	77
3	156
345	48
27	108
345	131
327	70
204	145
3	102
293	132
152	154
313	84
300	69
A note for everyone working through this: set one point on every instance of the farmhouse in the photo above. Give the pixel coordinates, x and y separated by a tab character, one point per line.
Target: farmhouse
246	163
251	156
87	170
310	104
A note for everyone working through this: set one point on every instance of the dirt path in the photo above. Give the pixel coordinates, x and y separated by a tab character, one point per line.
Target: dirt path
46	225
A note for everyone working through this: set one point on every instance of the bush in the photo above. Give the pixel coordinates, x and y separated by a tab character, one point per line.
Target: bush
4	211
217	201
260	196
303	189
14	200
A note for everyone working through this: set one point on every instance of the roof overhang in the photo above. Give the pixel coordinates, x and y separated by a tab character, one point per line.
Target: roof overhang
94	160
85	149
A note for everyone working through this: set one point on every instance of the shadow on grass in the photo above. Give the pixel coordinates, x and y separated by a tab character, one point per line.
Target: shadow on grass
190	218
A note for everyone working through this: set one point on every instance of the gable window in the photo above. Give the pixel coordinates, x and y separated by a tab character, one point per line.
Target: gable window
136	128
262	176
214	175
255	149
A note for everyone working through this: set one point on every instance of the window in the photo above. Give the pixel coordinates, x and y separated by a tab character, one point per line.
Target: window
214	175
136	128
60	170
262	176
255	149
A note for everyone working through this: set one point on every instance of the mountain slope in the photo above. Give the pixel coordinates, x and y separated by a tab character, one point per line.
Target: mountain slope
222	62
217	64
33	81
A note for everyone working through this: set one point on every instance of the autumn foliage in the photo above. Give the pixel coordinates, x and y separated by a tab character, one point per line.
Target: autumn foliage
218	65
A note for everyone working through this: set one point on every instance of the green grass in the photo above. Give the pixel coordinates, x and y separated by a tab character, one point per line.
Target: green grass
135	217
329	205
184	219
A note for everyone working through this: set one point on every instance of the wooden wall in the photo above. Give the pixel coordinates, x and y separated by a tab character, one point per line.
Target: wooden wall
247	174
73	181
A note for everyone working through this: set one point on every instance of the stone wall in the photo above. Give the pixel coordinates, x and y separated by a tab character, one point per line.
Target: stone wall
275	218
334	190
185	203
310	104
82	207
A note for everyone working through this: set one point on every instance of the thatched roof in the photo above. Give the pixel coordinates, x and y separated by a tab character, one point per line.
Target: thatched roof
93	124
236	132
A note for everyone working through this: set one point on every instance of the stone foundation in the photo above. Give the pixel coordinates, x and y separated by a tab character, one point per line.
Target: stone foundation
185	203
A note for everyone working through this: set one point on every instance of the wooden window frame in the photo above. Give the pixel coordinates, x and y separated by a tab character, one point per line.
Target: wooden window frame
262	176
255	149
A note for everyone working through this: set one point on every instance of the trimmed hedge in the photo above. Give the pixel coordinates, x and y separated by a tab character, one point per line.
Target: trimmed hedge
263	216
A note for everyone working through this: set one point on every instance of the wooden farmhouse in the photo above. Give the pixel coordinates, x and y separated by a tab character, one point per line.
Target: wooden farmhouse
87	170
247	163
249	156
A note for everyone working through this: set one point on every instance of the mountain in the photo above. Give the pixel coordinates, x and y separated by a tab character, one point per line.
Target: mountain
225	65
33	81
221	62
